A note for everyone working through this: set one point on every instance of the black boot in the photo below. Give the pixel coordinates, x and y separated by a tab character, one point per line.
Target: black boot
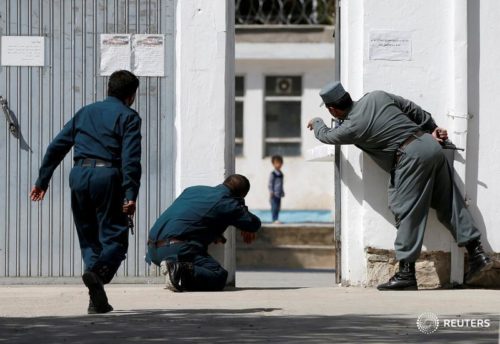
478	261
402	280
98	298
93	310
176	272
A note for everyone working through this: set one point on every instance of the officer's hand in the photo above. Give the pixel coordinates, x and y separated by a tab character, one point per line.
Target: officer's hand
37	194
248	237
129	208
310	125
440	134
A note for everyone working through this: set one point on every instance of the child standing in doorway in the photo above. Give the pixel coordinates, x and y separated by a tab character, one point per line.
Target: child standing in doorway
275	187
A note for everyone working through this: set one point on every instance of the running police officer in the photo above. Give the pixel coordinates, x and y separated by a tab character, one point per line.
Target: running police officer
405	141
106	136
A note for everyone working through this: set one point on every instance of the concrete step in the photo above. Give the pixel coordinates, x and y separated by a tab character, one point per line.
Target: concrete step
286	257
306	246
293	234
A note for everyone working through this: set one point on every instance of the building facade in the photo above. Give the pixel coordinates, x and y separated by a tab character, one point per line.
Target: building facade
284	55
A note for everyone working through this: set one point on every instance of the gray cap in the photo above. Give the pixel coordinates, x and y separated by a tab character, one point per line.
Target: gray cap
332	92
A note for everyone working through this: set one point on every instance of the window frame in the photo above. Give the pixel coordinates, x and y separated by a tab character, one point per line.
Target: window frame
283	98
240	98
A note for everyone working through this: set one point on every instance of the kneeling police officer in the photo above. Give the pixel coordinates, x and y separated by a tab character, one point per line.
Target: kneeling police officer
178	241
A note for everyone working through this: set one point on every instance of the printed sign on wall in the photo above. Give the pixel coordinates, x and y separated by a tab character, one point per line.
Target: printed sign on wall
22	51
142	54
115	53
148	55
390	45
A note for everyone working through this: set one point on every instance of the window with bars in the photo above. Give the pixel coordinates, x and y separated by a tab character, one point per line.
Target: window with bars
238	112
283	101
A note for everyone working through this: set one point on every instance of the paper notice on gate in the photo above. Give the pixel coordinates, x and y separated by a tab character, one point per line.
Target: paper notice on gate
22	51
148	51
115	53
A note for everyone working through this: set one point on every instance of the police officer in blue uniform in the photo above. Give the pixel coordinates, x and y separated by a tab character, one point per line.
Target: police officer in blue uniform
106	136
179	239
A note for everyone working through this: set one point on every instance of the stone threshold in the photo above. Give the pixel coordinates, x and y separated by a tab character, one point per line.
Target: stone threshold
432	269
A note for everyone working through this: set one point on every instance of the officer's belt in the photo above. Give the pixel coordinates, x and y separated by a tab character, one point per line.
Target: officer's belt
96	163
405	143
162	243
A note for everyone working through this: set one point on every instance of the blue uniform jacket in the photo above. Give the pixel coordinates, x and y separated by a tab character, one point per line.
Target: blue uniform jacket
202	214
107	130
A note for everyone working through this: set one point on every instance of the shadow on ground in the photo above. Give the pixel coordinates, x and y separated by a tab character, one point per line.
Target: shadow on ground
254	325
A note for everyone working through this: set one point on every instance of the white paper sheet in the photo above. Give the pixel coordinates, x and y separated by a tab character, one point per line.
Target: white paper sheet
148	52
390	45
115	53
22	51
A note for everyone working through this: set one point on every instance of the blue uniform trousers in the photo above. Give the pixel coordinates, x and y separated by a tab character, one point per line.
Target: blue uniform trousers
96	201
208	275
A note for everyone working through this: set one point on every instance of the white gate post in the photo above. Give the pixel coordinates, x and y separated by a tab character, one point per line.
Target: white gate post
204	99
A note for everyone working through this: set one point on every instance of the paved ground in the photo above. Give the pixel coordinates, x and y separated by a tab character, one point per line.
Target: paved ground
266	307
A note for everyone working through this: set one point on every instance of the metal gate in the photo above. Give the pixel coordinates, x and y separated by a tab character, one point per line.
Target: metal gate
39	240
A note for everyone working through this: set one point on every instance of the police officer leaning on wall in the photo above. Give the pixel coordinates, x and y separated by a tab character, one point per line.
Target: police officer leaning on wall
405	141
106	136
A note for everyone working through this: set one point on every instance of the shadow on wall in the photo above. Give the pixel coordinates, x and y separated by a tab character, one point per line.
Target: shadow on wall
254	325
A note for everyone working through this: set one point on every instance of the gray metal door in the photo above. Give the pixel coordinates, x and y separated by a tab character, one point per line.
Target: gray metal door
39	239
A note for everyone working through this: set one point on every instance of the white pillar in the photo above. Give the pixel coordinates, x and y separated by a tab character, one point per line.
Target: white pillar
459	117
254	117
353	262
204	109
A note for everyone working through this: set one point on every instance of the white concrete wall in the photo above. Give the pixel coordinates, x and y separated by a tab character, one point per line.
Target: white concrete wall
424	79
434	79
308	185
483	167
202	89
204	124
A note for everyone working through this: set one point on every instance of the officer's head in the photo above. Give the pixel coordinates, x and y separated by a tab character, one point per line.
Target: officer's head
123	85
336	99
238	184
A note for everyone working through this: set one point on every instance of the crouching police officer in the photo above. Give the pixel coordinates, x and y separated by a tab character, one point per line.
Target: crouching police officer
179	239
106	137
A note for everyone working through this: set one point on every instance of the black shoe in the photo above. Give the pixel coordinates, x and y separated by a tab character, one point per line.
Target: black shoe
402	280
98	297
479	262
175	272
93	310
